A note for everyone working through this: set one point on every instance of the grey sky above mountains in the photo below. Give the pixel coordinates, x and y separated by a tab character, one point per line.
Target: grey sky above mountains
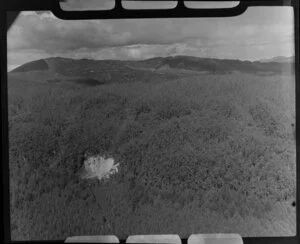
259	33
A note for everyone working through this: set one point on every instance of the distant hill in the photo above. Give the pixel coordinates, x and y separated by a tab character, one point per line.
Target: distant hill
222	65
98	71
32	66
107	71
279	59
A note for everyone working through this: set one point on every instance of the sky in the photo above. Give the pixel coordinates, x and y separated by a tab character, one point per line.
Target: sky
259	33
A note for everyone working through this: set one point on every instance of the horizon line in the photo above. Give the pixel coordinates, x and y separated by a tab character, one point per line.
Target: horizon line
137	60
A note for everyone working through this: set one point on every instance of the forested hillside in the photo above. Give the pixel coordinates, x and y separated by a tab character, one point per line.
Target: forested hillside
204	153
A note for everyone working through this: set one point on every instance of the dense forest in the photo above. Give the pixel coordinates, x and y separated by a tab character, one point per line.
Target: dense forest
207	153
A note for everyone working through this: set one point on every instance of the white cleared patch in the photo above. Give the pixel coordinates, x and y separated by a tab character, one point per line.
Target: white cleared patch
99	167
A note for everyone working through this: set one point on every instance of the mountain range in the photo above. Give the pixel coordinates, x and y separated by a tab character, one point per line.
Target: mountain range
279	59
108	71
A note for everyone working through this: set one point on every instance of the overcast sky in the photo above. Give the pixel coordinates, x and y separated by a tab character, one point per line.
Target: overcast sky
257	34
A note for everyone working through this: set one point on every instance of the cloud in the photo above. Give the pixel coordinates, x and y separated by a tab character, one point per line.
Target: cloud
40	34
45	32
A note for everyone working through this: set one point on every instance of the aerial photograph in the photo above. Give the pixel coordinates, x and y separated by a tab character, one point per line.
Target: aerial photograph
152	126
